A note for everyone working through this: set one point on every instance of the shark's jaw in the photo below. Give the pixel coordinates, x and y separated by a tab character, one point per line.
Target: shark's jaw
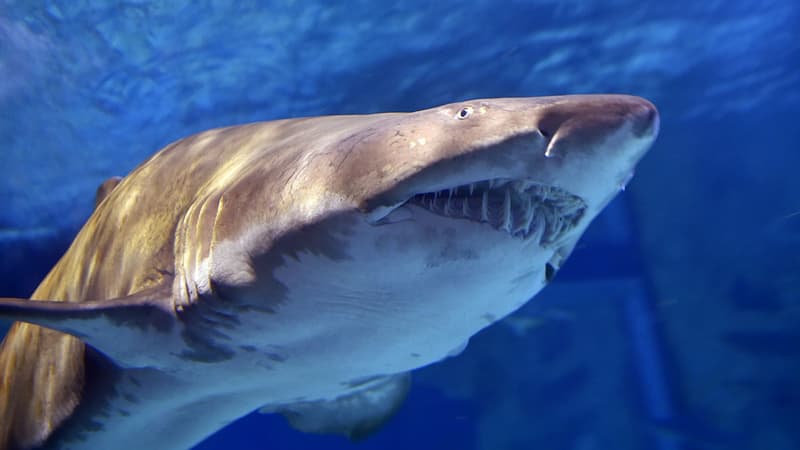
537	173
523	209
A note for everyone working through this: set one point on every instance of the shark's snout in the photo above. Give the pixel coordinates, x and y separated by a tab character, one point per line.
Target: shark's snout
595	144
644	118
584	122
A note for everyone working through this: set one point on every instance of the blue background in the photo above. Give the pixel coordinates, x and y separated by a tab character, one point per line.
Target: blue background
676	323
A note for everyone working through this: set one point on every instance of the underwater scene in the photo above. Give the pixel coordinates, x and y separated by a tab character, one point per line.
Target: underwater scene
674	323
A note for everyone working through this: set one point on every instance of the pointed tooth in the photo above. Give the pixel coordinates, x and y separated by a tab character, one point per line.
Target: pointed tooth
507	219
538	229
465	207
522	222
485	206
471	189
450	192
491	183
526	227
559	225
447	207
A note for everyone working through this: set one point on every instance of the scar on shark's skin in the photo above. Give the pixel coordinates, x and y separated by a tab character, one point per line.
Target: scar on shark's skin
305	267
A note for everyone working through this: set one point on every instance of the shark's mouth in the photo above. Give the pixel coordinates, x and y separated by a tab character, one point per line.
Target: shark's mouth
521	208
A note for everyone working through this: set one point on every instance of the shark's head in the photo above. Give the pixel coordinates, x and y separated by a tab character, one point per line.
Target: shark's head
533	169
447	219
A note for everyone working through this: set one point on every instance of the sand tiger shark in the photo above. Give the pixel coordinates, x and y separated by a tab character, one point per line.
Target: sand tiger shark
305	267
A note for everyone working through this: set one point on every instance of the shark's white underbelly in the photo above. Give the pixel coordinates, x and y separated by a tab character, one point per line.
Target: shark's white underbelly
367	315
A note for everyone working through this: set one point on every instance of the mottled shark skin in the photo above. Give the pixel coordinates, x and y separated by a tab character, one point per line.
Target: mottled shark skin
305	266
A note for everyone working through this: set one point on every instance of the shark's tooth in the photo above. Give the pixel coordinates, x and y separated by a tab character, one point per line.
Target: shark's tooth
447	197
538	190
553	227
559	227
529	212
524	226
572	208
465	207
538	228
545	193
507	211
543	223
491	183
485	206
471	189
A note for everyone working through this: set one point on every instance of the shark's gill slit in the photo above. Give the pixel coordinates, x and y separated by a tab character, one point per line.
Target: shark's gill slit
521	208
549	272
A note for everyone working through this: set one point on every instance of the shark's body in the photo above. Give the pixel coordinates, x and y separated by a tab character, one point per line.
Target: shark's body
305	266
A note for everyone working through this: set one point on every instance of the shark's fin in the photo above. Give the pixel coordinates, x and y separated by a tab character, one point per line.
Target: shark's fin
354	415
114	326
104	189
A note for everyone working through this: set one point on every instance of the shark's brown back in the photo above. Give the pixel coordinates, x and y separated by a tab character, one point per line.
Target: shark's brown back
42	371
41	378
32	357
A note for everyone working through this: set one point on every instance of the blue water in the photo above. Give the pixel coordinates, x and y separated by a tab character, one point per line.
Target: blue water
675	325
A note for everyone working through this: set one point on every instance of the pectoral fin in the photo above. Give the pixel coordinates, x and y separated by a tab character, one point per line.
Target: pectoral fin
112	326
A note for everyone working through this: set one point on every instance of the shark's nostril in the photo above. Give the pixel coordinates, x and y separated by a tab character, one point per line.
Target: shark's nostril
549	124
646	120
650	114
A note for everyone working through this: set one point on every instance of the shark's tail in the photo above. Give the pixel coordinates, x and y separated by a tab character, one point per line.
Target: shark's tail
41	380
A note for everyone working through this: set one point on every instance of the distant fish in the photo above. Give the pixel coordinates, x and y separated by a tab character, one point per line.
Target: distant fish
305	266
521	325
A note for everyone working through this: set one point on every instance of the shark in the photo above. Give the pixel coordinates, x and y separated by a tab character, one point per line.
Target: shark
305	267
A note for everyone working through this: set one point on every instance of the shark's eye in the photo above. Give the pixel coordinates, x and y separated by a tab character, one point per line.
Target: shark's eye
464	113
